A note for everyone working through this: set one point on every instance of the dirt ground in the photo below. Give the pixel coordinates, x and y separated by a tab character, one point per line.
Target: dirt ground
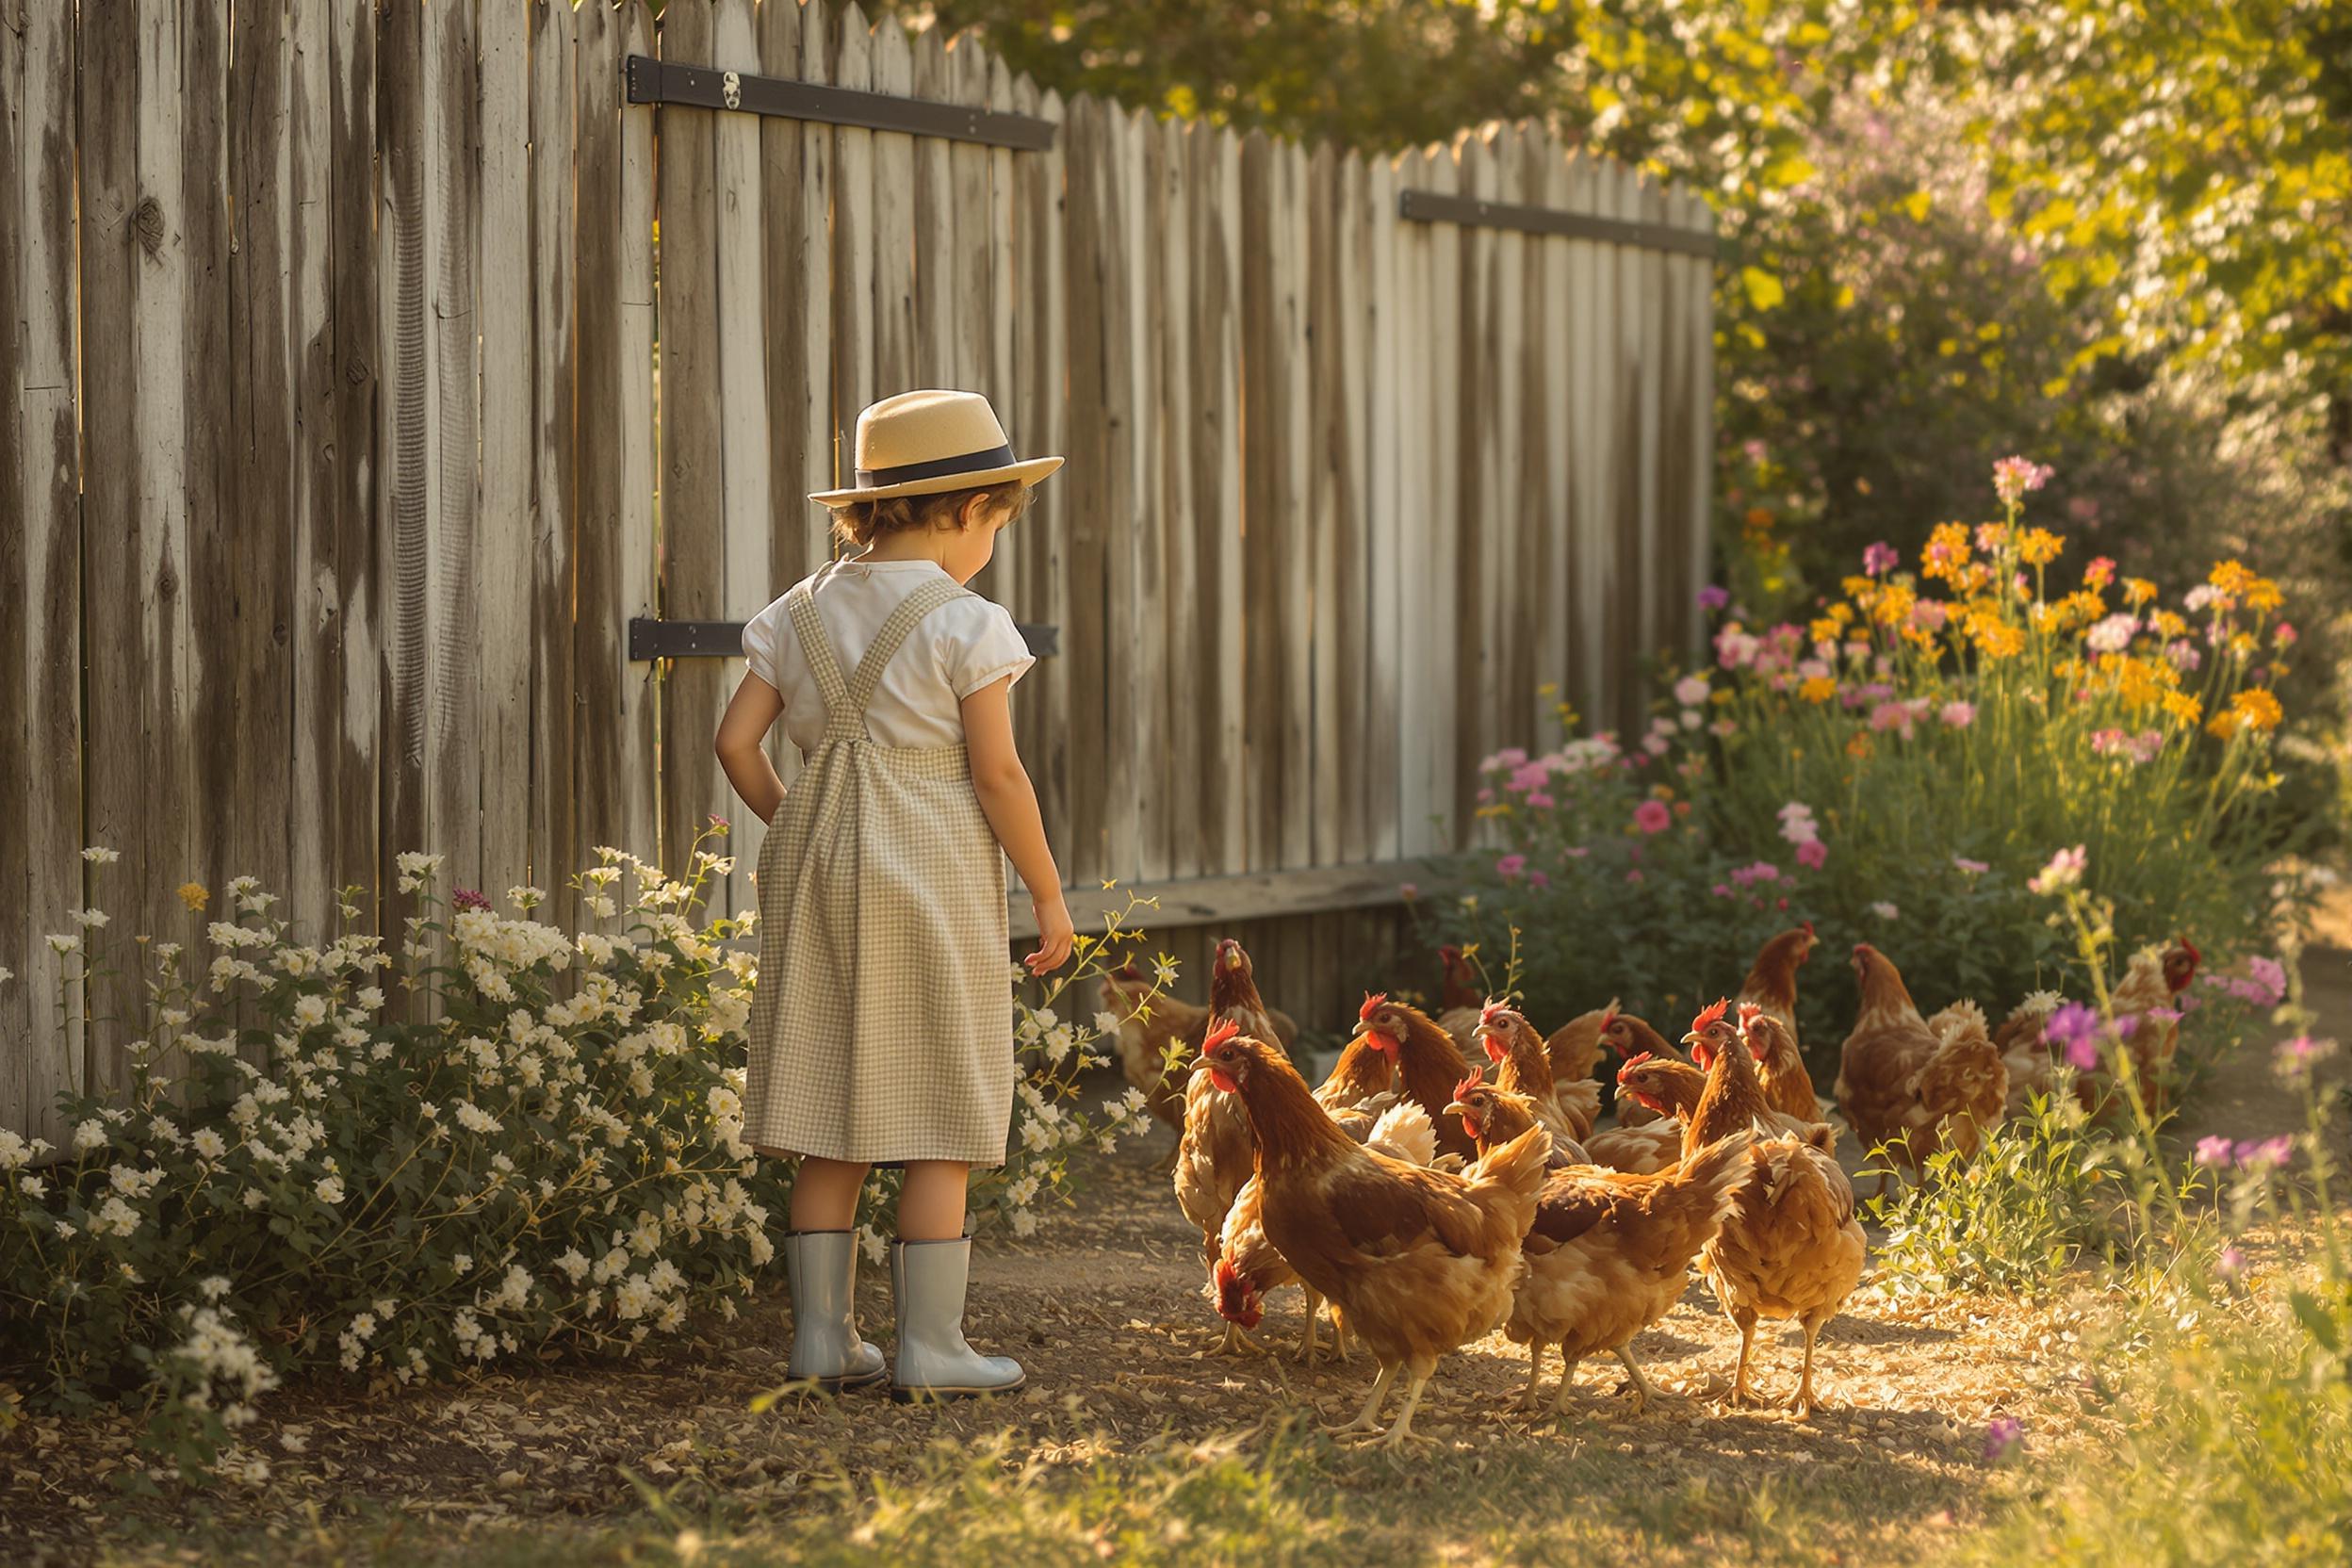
1104	1308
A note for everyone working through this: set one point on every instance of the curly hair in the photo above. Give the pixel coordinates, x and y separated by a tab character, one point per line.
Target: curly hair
861	523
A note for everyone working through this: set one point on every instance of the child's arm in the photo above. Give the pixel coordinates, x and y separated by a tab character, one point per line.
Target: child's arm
743	731
1011	803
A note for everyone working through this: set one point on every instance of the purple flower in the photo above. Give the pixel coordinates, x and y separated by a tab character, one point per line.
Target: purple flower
2265	1154
2075	1027
1879	558
2003	1436
2271	976
466	898
2218	1152
2295	1058
1714	597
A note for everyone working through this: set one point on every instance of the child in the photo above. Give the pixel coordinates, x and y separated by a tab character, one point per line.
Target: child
882	1030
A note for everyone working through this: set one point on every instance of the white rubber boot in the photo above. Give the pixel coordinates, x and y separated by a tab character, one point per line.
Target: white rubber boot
822	1267
934	1363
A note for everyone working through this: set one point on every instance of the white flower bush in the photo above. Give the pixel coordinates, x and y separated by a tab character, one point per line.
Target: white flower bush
499	1143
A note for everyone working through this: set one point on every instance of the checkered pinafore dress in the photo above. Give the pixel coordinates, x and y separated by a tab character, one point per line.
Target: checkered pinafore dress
882	1025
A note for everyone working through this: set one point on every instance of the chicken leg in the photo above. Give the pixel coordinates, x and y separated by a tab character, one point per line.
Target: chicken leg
1367	1419
1307	1340
1802	1401
1567	1380
1535	1373
1739	1394
1640	1384
1236	1343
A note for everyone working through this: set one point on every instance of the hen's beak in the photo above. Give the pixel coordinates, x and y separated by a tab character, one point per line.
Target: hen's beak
1364	1027
1693	1038
1457	1108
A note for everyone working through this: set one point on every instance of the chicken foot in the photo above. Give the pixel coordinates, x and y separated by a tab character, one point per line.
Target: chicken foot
1402	1433
1640	1384
1236	1342
1367	1419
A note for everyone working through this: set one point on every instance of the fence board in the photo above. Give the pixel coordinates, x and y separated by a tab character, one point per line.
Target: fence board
1092	242
1413	352
614	742
1375	237
403	438
48	238
554	847
1588	538
748	511
1328	499
854	384
1038	227
354	775
1482	480
980	318
1559	615
1132	725
894	240
502	644
1649	344
1533	610
313	629
693	484
1449	451
1219	674
1700	453
1293	452
1182	706
931	305
452	758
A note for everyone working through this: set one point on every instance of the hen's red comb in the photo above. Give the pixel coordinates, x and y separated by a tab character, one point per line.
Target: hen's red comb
1219	1034
1609	1016
1749	1013
1631	1062
1373	1003
1491	1011
1475	1081
1713	1015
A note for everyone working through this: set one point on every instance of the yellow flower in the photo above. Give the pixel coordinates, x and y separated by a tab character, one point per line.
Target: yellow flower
2184	709
1818	688
1947	553
2138	590
2242	643
1826	630
2258	706
2040	546
2169	623
195	895
1893	605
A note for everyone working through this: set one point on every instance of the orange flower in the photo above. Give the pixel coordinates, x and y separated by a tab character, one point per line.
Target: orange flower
2138	590
2040	546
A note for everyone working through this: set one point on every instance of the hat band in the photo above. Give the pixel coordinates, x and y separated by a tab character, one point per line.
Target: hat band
969	463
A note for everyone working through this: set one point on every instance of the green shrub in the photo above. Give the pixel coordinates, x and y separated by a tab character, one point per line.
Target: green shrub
507	1142
1896	771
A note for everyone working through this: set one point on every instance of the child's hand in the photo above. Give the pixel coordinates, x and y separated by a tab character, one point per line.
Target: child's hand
1055	935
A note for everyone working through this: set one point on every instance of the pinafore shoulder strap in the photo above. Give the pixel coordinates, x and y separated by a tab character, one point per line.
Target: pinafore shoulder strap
846	700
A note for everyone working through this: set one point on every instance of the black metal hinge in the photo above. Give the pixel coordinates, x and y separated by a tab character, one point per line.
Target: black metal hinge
649	638
653	81
1433	206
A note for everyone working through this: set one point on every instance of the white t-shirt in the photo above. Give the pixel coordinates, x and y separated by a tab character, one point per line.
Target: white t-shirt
957	650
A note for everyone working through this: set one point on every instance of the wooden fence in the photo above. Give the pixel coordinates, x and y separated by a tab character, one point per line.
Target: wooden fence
374	363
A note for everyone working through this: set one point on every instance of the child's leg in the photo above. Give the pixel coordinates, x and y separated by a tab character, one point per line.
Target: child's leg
931	1201
825	1194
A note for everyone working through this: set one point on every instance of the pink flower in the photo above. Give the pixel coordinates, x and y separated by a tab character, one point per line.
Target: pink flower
720	823
2099	573
2114	634
1541	799
2283	634
1722	890
1509	865
1651	816
466	898
1634	875
2231	1264
1408	892
2266	1155
1974	868
1813	856
2003	1436
1714	597
2295	1058
2216	1152
1879	558
1538	880
2014	478
1690	690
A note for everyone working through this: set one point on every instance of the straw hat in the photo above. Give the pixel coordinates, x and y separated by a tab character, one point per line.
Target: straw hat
927	443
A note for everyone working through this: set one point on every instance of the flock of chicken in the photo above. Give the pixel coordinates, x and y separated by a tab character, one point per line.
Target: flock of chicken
1428	1204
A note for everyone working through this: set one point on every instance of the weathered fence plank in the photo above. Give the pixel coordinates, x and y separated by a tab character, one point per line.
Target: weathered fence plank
554	849
503	641
1214	156
1039	220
